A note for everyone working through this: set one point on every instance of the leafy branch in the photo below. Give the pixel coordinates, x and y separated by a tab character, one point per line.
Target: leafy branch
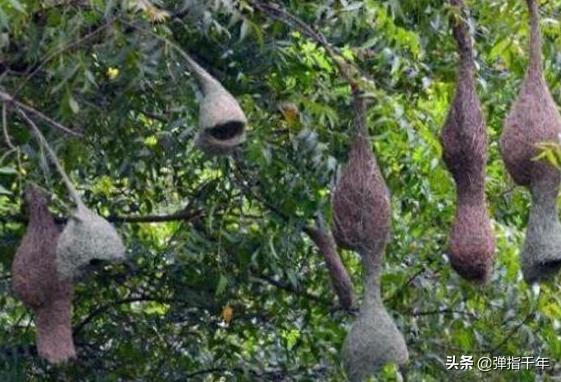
8	99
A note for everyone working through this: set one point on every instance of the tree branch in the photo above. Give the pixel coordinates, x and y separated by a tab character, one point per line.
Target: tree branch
441	311
275	11
186	215
8	99
289	288
511	333
104	308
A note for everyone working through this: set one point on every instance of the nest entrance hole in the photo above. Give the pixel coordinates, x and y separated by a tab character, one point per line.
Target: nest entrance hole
227	131
546	269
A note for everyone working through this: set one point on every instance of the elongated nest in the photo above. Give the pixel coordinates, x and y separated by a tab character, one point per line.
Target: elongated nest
471	244
340	279
361	201
362	222
534	119
36	282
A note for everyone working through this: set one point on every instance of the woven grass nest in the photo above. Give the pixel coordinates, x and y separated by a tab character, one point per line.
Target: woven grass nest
464	142
534	119
222	122
87	239
374	339
340	279
362	220
36	282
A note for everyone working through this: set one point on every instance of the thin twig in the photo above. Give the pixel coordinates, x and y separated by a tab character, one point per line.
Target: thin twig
511	333
5	127
7	98
275	11
289	288
43	142
103	308
183	215
442	311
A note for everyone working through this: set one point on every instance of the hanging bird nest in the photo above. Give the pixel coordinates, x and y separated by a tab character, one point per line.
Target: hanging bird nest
374	340
541	257
534	119
222	121
88	239
362	222
464	142
361	201
340	279
35	280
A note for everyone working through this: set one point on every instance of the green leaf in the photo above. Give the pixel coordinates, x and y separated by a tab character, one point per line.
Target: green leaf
221	286
73	105
17	6
4	191
8	171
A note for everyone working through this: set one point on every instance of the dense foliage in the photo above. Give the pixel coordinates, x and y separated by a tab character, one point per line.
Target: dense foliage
235	289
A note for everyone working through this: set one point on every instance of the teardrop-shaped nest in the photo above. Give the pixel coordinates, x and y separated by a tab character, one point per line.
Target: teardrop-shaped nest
87	239
361	201
373	341
533	119
541	254
34	273
36	282
464	141
222	123
464	136
471	244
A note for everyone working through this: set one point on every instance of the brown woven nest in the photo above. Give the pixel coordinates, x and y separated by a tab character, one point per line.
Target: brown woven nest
362	220
222	122
534	119
35	281
464	142
340	279
361	201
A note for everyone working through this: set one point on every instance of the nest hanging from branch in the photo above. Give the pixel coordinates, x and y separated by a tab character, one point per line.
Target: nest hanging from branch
361	201
362	222
87	239
534	119
35	281
222	121
340	279
464	142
